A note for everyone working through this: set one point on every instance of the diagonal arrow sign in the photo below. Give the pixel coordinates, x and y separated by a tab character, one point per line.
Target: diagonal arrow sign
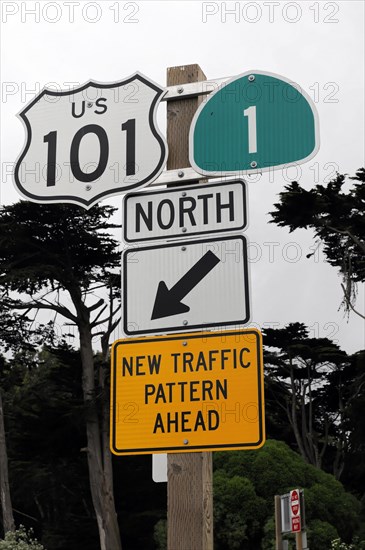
168	302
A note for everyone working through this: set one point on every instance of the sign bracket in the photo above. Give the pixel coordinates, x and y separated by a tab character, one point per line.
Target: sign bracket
182	175
193	89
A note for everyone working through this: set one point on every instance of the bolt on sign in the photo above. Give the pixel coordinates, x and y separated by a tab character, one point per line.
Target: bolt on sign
187	392
253	123
91	142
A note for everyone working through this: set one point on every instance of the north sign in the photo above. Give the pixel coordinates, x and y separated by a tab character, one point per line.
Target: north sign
253	123
188	285
188	392
185	211
91	142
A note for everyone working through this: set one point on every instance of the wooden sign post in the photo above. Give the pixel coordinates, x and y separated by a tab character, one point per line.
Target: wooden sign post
299	540
278	535
190	482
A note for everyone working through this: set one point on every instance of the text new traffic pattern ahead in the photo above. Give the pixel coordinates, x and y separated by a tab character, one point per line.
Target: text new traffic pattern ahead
187	392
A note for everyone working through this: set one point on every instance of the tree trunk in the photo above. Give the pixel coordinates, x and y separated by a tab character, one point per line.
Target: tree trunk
99	459
105	441
6	507
293	417
339	462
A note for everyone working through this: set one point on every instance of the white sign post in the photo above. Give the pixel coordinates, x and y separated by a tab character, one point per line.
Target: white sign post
91	142
159	468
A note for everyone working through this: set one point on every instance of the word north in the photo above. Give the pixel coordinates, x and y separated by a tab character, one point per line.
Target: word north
186	212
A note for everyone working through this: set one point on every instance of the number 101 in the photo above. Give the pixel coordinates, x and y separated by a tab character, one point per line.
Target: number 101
51	139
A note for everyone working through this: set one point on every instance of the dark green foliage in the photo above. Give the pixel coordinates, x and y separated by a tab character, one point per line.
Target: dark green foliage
255	477
160	534
20	539
238	512
48	470
327	501
141	503
40	244
44	251
338	220
321	534
61	259
48	466
337	217
313	386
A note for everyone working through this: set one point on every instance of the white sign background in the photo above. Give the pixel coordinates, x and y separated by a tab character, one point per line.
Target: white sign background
220	299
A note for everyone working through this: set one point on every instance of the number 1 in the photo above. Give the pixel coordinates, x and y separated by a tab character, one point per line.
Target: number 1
252	138
51	139
130	128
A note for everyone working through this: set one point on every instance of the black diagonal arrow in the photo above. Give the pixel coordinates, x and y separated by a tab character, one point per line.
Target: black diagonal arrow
168	302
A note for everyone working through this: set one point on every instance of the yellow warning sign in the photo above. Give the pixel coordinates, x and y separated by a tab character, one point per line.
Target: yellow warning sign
200	391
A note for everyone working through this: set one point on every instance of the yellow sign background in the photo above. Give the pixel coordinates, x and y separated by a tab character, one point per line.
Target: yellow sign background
200	391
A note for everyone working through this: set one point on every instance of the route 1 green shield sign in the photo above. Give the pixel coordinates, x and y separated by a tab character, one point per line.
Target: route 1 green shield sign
255	122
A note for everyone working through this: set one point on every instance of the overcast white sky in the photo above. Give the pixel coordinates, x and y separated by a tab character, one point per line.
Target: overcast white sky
319	45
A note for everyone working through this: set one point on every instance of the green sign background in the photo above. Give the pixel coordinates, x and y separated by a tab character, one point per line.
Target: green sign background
284	119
